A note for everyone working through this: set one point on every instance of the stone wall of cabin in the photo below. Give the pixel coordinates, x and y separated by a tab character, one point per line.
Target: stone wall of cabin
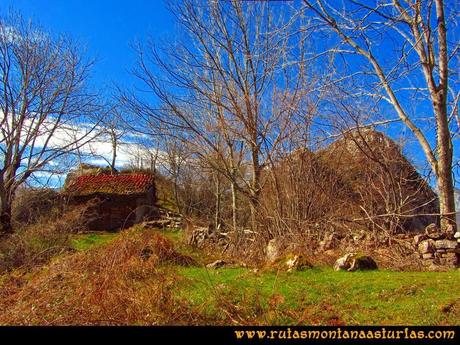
114	212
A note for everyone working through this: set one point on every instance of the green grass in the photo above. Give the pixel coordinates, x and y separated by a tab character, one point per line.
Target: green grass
310	297
175	235
90	240
87	241
322	296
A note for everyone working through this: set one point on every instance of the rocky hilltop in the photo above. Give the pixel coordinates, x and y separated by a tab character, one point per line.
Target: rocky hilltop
362	178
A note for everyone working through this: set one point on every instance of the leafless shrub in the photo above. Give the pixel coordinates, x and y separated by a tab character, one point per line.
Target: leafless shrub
31	204
388	194
121	283
34	244
303	192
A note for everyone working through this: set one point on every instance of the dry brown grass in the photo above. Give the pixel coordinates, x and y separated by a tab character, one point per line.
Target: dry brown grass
123	282
32	204
34	244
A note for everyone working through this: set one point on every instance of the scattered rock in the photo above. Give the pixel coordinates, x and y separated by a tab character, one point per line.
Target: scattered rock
426	246
224	263
439	251
419	238
329	242
448	255
165	219
297	262
457	236
449	231
217	264
432	231
273	250
159	223
200	236
353	262
446	244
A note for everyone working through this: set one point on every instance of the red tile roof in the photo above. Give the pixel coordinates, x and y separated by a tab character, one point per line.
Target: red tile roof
123	184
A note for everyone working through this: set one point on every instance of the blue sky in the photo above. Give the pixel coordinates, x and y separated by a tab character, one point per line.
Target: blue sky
106	27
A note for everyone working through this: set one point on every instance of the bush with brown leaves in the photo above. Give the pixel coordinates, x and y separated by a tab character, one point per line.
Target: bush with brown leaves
128	281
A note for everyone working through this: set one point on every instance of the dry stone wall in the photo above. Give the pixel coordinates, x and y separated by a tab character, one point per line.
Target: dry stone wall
438	250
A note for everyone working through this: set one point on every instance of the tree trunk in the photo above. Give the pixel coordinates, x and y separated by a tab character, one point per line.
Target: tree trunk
5	218
234	206
254	207
153	162
446	200
255	188
176	196
444	165
114	152
445	182
218	203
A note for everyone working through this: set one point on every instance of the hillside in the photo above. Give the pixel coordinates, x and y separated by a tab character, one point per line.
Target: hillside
361	182
147	277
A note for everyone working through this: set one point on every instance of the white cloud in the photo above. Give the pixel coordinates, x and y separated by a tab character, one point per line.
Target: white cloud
96	150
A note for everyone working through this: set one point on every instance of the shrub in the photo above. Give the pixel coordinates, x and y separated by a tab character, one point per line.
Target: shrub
36	243
32	204
126	281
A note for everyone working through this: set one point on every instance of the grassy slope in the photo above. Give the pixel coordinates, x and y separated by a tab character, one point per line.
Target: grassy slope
87	241
317	296
322	296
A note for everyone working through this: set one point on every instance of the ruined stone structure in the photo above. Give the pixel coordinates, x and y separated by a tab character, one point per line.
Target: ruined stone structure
117	200
382	180
363	178
438	249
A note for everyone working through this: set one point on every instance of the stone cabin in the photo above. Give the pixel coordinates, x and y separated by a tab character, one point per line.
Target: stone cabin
120	200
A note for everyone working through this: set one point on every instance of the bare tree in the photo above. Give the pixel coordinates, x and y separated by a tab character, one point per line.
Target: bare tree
44	104
409	55
230	88
176	158
111	130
